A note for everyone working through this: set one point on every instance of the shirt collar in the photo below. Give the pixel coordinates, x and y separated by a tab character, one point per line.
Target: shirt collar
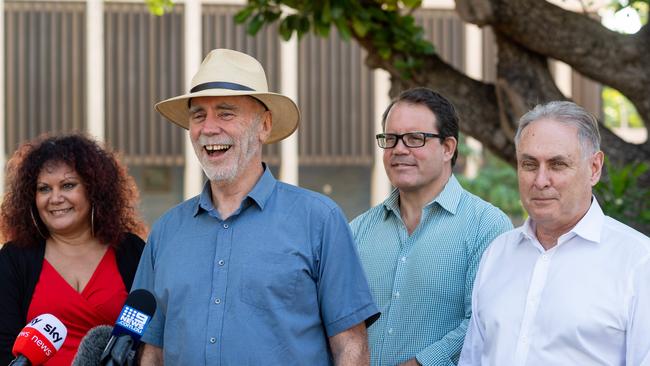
448	198
259	194
588	228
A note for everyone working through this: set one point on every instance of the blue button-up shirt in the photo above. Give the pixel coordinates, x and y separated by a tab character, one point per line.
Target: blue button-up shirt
267	286
422	282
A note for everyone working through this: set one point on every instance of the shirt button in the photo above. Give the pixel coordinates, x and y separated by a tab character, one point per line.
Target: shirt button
213	340
390	330
545	257
396	293
225	226
403	259
221	262
217	301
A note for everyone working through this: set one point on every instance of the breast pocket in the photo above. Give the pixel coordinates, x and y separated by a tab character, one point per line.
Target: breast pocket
271	282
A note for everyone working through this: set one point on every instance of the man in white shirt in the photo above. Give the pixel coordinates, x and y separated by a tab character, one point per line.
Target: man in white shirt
571	286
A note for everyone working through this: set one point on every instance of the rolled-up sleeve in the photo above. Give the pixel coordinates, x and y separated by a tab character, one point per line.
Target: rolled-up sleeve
343	293
145	279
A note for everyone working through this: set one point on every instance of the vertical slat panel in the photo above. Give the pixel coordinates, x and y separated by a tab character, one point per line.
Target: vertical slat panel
446	31
336	100
490	55
587	93
44	68
143	62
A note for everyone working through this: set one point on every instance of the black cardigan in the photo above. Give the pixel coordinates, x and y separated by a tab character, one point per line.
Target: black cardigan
20	269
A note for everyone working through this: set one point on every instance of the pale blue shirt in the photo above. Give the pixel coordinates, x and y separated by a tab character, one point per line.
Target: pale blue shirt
267	286
422	283
586	301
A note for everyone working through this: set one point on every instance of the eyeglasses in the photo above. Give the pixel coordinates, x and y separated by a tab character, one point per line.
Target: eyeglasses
410	139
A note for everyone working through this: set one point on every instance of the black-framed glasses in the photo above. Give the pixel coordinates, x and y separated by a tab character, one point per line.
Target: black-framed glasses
410	139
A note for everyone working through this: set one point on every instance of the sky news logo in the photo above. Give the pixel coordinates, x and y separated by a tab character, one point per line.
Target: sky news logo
133	320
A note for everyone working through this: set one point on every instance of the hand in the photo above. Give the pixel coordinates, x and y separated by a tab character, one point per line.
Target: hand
411	362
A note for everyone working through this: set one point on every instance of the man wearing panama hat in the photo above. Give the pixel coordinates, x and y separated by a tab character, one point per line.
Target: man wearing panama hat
252	271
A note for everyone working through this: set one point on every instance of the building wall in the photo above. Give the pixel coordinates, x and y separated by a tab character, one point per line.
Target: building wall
144	61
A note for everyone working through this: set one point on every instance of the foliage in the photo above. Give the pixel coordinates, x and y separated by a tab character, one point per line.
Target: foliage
495	183
618	109
622	197
641	6
159	7
387	24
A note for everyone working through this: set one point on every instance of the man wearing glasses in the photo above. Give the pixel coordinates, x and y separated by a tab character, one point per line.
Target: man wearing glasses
420	248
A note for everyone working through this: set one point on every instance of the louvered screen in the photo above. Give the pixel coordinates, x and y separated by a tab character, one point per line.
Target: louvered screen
336	96
447	32
44	69
143	64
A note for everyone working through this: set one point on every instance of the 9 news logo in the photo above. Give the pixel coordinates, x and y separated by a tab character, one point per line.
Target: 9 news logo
133	320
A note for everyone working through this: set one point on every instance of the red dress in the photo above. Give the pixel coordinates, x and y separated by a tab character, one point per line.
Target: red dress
99	303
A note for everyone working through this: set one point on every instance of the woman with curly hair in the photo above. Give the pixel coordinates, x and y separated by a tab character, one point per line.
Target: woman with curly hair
69	213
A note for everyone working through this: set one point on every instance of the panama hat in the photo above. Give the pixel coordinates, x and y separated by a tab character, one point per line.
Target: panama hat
226	72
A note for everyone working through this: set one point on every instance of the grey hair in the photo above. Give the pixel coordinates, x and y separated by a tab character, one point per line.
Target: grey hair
568	113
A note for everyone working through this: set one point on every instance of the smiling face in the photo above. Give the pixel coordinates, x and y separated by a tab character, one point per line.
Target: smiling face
62	200
555	177
423	169
227	134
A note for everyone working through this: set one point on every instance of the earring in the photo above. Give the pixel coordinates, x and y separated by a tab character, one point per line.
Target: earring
92	221
31	213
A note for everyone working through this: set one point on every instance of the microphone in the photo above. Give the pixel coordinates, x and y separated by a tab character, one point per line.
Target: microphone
92	345
39	340
130	325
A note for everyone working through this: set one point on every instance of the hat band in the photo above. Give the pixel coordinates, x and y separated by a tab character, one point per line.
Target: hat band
220	85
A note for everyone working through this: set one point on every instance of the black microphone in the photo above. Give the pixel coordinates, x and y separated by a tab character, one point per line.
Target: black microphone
92	346
129	327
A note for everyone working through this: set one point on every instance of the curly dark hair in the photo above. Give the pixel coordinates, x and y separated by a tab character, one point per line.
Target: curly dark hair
111	191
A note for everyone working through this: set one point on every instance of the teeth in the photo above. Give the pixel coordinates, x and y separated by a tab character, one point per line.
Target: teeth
62	211
216	147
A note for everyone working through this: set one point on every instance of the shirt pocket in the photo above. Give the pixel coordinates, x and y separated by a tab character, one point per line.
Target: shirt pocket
270	283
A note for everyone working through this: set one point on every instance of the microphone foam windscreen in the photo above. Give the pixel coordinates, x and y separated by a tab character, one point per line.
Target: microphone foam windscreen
92	345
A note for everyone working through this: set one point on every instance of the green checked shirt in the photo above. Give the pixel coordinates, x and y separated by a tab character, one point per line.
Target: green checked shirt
422	283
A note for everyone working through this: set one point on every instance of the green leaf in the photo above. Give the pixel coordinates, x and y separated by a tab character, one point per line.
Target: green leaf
271	16
255	24
412	3
321	29
384	52
360	28
285	29
326	14
302	26
243	14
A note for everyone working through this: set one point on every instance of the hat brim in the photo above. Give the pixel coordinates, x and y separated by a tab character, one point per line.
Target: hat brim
284	112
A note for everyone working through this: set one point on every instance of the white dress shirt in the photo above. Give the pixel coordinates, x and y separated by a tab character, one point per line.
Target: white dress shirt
584	302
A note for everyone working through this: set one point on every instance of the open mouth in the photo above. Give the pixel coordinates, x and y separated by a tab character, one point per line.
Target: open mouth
60	212
216	149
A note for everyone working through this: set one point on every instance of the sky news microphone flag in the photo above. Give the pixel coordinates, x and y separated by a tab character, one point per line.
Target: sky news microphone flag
130	325
39	340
